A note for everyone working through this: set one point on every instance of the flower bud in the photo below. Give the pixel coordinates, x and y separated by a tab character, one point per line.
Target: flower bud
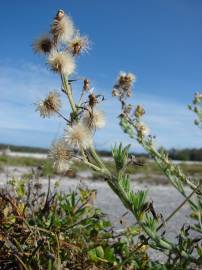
139	111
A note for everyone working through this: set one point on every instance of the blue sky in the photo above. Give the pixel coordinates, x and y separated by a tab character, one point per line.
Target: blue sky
158	40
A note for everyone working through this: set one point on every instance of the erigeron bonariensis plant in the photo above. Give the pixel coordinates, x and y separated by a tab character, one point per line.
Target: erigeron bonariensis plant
61	47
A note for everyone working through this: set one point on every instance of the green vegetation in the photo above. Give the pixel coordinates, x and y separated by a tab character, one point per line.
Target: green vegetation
21	161
52	230
146	170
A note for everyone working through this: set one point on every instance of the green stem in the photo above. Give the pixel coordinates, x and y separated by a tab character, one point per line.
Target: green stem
160	243
96	157
83	154
81	97
174	177
85	160
69	93
180	206
92	166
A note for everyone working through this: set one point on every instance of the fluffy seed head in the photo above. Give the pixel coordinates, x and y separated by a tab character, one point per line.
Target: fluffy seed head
50	105
43	45
61	62
60	154
124	84
125	81
78	135
78	44
94	119
62	28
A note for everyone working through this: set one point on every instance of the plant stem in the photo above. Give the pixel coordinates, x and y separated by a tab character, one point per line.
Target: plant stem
166	220
180	206
96	157
62	116
74	110
69	93
92	166
81	97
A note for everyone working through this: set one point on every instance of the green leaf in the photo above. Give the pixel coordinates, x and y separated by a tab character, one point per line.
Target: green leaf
92	254
100	252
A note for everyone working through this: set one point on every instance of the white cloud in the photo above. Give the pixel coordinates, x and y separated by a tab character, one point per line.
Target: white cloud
24	84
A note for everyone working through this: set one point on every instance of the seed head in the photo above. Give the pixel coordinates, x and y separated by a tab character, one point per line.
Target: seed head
62	28
78	135
124	84
95	119
61	62
59	15
78	45
86	85
92	100
43	45
50	105
60	153
125	81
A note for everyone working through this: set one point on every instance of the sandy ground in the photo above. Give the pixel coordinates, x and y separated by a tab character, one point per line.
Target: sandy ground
165	197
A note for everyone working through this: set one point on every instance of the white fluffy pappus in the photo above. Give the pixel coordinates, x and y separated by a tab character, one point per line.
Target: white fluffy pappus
78	136
43	45
61	62
94	119
50	105
78	44
60	154
62	27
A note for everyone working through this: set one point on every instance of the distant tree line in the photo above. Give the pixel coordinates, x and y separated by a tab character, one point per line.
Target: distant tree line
28	149
194	154
186	154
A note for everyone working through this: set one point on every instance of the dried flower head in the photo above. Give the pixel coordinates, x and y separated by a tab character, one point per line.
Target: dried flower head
125	81
139	111
86	85
43	45
62	28
60	153
61	62
92	100
124	84
78	135
142	130
50	105
78	44
95	119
